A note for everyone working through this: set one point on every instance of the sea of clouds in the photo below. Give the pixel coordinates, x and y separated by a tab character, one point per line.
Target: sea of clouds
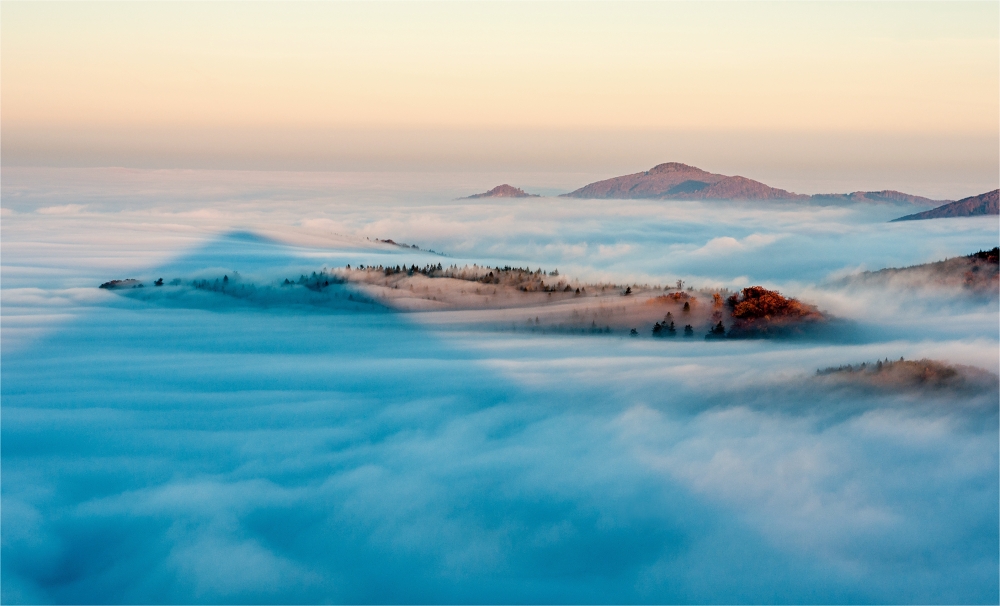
221	452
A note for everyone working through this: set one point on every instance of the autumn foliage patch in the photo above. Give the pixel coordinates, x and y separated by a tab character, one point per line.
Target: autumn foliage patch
757	302
757	311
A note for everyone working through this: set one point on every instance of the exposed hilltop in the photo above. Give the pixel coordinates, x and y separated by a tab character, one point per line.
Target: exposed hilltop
676	181
515	298
973	206
564	304
910	375
978	273
503	191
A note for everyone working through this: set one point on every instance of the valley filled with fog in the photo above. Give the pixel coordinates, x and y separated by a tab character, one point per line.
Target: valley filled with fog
178	444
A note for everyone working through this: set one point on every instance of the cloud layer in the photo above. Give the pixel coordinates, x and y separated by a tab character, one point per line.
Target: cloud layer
157	453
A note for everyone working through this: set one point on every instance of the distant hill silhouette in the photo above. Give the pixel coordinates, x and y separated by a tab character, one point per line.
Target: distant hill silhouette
973	206
676	181
886	196
503	191
680	181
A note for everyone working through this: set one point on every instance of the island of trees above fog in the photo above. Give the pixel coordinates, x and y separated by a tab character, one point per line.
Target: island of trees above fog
540	300
977	274
524	300
910	375
518	298
676	181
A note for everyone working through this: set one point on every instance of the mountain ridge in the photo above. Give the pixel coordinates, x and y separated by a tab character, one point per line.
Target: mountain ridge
974	206
678	181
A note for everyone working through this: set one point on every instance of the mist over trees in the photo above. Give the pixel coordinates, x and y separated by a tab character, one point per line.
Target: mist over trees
568	305
977	274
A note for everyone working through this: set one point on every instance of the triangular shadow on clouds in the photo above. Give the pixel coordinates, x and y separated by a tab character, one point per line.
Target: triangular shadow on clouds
158	453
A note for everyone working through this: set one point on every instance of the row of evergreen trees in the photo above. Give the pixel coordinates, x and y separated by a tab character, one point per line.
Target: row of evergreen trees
670	330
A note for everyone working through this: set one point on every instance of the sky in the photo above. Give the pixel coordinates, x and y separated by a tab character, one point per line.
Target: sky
806	95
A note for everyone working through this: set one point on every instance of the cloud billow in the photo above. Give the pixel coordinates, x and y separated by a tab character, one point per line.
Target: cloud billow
207	451
185	455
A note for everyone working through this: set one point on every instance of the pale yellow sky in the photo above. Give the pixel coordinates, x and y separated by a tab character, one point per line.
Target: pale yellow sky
155	77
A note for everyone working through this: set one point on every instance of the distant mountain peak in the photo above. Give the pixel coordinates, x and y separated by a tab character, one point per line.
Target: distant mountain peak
503	191
667	167
679	181
675	180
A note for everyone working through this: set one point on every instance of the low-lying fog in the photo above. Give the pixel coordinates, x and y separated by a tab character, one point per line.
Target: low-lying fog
202	449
